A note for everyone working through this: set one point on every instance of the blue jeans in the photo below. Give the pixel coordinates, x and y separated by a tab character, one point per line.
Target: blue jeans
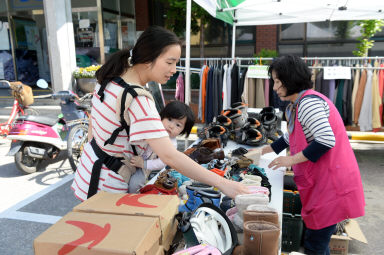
316	242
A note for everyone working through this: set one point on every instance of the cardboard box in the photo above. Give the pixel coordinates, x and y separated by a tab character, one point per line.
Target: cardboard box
160	251
339	244
84	233
163	207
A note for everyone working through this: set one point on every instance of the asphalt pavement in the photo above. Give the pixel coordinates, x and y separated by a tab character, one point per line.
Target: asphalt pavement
29	204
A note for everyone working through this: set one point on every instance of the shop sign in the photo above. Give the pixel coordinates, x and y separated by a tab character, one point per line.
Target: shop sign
260	72
337	72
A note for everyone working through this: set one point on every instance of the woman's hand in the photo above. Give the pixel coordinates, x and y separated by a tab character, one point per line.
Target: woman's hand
287	161
232	188
266	149
137	161
282	161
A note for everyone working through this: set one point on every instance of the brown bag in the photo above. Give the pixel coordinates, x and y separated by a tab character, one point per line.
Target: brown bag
23	93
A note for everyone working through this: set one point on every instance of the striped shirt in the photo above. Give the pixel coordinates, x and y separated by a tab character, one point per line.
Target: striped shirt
313	114
145	123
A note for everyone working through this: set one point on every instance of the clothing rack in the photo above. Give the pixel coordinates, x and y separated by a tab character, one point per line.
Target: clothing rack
244	62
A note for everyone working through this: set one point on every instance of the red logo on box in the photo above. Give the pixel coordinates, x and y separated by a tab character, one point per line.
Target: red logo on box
133	200
91	233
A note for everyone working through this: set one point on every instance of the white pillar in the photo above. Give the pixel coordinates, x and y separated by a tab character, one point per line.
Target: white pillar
61	42
188	54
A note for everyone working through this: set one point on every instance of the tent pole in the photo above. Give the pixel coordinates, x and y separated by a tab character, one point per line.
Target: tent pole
188	54
234	36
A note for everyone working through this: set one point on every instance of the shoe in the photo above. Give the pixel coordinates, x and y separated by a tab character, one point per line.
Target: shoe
211	143
204	155
260	238
217	131
240	151
254	154
254	123
236	116
198	194
226	203
269	216
242	107
224	121
244	162
243	201
249	136
270	122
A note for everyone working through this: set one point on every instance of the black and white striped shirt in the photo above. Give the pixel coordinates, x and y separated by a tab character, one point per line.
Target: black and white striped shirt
313	113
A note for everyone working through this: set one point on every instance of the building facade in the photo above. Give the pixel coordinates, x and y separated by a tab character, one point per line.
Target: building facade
48	39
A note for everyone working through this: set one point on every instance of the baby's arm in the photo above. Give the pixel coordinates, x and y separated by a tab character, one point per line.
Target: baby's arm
154	164
150	165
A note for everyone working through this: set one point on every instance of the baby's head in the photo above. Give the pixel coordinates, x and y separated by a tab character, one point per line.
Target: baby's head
177	118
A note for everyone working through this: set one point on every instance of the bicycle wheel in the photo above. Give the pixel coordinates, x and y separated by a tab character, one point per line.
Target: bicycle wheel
77	138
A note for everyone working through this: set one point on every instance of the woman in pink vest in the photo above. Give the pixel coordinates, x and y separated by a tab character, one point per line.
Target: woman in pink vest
325	168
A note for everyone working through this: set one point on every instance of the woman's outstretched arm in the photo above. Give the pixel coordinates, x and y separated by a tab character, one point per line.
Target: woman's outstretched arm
164	148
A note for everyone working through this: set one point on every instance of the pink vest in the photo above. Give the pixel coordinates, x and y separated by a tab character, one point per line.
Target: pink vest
330	189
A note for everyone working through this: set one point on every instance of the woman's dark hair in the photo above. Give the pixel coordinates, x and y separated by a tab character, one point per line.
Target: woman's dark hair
293	73
151	44
179	110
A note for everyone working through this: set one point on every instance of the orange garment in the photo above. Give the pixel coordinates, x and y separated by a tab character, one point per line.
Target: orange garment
204	92
360	95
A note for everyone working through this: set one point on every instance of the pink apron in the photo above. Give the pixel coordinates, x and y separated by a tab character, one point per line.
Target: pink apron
330	189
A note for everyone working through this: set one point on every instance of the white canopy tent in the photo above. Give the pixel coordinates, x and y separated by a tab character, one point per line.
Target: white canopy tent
269	12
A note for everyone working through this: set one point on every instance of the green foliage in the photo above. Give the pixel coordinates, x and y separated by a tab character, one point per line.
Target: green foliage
265	53
176	16
368	29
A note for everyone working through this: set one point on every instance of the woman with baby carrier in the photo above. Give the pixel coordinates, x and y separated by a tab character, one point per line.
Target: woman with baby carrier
124	121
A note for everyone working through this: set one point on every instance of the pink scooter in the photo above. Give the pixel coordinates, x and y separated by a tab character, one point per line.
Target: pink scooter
37	138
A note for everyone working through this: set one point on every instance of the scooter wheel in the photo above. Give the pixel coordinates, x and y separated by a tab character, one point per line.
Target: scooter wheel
25	163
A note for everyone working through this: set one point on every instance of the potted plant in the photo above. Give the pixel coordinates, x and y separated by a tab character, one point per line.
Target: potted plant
85	78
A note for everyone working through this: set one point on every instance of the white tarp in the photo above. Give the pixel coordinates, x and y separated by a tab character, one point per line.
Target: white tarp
268	12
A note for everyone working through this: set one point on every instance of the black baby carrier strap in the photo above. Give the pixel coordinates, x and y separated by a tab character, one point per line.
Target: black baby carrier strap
111	162
127	89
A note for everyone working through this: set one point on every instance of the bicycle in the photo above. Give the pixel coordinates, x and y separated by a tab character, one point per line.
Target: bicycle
78	135
19	107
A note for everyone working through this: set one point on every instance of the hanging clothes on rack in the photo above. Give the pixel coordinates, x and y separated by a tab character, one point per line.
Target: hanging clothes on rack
179	94
376	100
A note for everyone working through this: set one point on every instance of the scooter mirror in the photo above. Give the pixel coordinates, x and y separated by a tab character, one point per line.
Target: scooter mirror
41	83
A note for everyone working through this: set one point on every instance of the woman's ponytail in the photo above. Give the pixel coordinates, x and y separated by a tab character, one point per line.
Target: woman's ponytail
116	65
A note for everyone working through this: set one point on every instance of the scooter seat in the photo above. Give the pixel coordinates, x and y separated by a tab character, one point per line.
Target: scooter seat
49	121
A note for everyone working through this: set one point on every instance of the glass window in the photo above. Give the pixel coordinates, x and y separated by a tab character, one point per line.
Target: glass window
110	32
83	3
335	50
127	8
3	6
291	49
337	30
245	34
86	30
128	32
377	49
292	31
111	5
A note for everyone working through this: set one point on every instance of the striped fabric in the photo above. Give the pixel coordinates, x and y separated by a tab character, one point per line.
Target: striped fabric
313	115
145	123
